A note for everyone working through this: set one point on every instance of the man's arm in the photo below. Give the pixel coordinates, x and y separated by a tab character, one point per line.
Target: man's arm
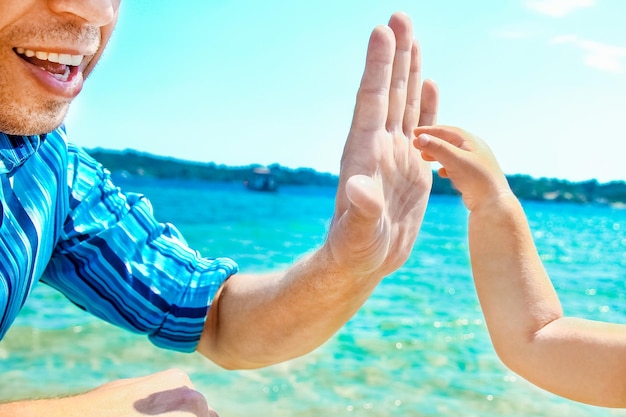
169	393
575	358
381	199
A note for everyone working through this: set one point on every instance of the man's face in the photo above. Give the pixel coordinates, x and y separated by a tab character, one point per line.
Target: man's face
47	49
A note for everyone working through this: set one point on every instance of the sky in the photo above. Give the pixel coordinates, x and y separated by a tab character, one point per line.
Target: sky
243	82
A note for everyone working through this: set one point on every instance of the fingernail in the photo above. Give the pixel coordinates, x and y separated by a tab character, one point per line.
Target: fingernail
423	139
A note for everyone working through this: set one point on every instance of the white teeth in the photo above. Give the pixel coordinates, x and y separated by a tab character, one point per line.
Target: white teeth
65	59
73	60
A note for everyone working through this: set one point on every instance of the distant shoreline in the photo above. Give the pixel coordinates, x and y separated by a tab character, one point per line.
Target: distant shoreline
137	163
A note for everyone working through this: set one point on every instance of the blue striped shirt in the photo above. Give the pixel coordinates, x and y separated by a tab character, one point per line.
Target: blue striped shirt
63	222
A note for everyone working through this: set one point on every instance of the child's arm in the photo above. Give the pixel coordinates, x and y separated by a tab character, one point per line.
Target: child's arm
575	358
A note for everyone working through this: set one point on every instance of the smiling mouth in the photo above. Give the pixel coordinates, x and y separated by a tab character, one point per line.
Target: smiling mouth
61	66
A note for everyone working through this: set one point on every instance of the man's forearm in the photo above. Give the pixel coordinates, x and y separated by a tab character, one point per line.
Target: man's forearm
46	407
167	393
262	320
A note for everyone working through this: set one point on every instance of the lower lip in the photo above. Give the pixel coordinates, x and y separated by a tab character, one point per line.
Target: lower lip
67	89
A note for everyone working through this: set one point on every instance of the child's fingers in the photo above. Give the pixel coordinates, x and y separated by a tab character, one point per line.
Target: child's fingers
428	158
437	149
453	135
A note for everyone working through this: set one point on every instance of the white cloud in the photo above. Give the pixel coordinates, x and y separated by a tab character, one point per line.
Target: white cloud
604	57
558	8
597	55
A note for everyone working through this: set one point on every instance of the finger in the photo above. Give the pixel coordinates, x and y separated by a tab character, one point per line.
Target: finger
373	97
366	198
414	92
429	104
427	157
442	151
453	135
359	237
403	69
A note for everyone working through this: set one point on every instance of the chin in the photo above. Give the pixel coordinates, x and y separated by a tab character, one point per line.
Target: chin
29	130
33	122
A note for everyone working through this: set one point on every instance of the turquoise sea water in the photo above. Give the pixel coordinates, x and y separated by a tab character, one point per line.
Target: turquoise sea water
418	347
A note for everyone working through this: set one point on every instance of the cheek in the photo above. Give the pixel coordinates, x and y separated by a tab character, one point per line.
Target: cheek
12	88
105	36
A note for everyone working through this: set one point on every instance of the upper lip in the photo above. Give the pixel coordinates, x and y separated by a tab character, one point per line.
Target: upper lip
64	58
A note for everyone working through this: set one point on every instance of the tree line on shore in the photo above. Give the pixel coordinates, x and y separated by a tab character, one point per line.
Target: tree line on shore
524	186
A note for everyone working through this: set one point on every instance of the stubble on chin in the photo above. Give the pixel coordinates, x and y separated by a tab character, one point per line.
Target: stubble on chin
35	113
16	119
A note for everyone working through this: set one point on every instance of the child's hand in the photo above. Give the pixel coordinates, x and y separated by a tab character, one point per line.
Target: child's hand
466	160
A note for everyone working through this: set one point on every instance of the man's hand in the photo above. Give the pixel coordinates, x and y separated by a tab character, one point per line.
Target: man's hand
384	182
383	190
169	393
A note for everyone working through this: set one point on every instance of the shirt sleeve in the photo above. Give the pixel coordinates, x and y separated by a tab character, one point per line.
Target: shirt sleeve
115	260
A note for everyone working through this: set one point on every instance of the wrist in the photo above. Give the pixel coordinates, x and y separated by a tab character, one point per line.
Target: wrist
346	269
503	199
501	211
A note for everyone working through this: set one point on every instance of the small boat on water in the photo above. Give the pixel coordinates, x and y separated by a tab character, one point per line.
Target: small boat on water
262	179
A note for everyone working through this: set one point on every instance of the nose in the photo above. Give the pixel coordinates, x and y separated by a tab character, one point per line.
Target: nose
95	12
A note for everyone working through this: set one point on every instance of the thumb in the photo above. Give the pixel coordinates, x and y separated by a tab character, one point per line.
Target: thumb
359	238
366	198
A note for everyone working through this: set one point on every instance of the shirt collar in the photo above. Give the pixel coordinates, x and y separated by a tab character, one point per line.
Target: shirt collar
15	150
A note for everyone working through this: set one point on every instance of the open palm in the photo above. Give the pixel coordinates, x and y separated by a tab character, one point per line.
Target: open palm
384	182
